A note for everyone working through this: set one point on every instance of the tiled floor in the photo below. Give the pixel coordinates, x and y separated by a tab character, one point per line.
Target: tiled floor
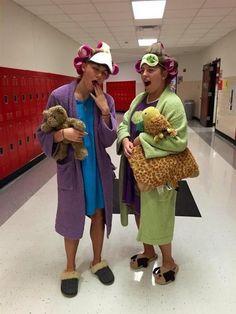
32	254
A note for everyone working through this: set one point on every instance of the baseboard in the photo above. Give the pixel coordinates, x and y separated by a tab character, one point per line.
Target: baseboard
230	139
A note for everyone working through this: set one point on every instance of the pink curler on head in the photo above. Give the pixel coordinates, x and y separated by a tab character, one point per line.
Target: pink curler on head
85	51
137	66
100	44
115	69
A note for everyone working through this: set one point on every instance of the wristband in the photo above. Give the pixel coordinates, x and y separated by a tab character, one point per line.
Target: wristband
105	115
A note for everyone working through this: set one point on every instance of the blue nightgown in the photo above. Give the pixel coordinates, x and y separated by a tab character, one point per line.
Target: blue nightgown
91	176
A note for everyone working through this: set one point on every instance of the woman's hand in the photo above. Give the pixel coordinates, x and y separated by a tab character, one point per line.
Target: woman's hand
74	135
137	141
100	100
128	147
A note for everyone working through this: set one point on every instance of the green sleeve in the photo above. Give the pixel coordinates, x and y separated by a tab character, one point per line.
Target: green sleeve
172	108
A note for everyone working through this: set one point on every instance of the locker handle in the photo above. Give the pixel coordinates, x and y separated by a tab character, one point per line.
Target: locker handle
5	99
15	98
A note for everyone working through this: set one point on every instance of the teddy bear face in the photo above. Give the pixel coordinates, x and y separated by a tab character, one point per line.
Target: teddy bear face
150	113
55	116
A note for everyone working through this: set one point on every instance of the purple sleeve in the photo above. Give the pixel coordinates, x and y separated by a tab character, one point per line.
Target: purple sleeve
46	139
107	135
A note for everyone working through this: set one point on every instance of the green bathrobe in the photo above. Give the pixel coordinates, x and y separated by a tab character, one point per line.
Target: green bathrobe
157	208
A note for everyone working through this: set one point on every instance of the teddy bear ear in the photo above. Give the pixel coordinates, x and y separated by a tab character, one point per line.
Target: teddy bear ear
45	113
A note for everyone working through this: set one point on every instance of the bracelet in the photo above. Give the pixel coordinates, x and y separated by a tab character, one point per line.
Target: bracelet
62	133
105	115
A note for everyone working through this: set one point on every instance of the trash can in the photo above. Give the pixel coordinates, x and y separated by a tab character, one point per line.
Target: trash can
189	106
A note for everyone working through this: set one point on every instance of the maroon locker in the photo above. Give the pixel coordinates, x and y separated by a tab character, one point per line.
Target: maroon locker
29	139
35	105
123	93
23	95
15	91
5	168
24	100
7	99
12	146
44	96
31	99
49	84
36	121
1	98
21	143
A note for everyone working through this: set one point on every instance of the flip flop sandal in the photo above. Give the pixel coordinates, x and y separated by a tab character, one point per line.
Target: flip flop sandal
69	283
163	276
140	260
103	272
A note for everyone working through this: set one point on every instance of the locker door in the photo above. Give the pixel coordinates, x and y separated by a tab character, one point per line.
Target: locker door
44	97
5	166
36	121
21	143
15	90
29	139
2	101
35	105
31	99
7	99
23	96
123	93
12	146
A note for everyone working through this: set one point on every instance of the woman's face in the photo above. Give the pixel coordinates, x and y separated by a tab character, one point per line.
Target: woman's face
154	78
93	74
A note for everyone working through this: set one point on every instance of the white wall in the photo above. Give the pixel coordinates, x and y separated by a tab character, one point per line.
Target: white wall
224	49
28	43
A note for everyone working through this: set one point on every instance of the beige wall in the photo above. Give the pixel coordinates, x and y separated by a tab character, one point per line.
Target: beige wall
226	114
225	50
31	44
191	90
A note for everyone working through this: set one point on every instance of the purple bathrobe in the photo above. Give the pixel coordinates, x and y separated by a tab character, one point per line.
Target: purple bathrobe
70	217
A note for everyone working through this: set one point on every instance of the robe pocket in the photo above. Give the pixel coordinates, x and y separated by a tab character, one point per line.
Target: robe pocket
65	175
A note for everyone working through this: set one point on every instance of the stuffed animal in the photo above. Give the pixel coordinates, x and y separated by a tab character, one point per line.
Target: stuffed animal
156	124
56	118
160	171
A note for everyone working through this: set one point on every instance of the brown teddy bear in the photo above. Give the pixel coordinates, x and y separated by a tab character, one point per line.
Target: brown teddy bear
56	118
155	172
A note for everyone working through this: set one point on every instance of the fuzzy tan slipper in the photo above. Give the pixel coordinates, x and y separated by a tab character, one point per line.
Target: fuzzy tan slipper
103	272
140	260
69	283
163	276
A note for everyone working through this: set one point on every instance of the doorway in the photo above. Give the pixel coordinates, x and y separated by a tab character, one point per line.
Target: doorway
209	93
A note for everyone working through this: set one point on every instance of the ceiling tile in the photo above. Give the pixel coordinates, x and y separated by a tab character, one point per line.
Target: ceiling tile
219	4
113	7
44	9
214	12
187	26
78	8
186	4
180	13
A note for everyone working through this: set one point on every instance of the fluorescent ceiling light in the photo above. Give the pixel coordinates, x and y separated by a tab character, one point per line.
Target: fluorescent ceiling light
146	42
148	9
